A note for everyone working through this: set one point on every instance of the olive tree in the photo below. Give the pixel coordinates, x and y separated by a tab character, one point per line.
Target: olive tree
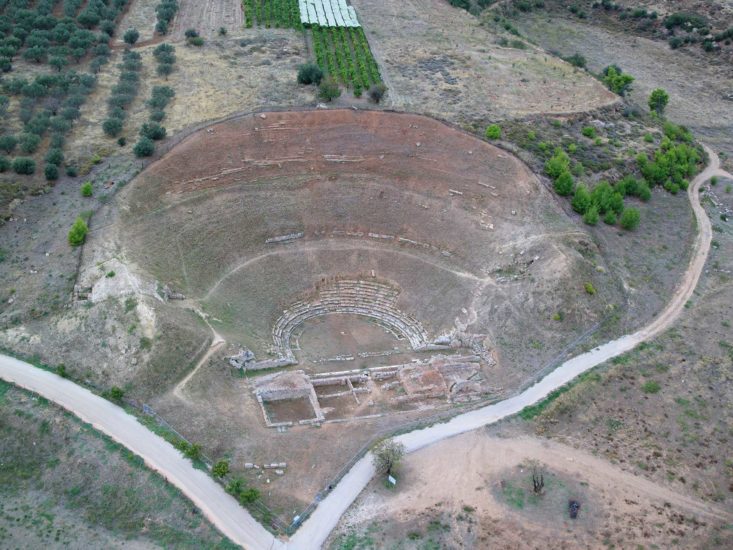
387	455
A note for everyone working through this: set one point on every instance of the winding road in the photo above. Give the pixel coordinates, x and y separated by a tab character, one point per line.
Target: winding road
235	522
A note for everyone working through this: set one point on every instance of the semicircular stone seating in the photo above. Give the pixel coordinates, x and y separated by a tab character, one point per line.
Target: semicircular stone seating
357	297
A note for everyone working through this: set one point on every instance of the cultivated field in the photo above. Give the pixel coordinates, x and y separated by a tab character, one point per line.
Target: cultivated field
440	60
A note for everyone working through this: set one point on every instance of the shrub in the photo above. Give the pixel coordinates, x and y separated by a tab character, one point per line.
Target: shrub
164	69
114	394
51	171
78	232
8	143
714	180
112	126
610	218
24	165
589	288
648	138
329	89
29	143
220	469
144	147
557	164
576	60
589	132
86	189
616	80
630	219
196	41
493	131
564	184
377	91
131	36
222	31
591	216
152	130
658	100
55	156
71	171
310	73
191	33
581	199
157	115
4	164
651	386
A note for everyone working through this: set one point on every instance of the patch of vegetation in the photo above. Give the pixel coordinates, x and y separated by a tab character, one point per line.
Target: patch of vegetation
616	80
532	411
344	54
78	232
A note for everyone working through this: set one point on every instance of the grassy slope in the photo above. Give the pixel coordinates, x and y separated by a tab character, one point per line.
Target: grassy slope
63	483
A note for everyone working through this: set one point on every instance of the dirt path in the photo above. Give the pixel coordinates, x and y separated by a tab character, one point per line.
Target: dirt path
236	523
216	343
316	529
218	506
452	470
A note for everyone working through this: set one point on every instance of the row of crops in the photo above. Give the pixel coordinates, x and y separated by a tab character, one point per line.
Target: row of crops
343	52
31	30
283	14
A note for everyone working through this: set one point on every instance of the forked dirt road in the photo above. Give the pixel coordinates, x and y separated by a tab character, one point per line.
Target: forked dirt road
235	522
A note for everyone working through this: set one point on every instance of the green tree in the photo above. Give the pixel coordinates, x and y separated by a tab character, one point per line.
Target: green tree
377	91
591	216
24	165
78	232
493	131
658	101
86	189
557	164
131	36
144	147
152	130
51	171
387	455
193	451
564	184
630	219
616	80
581	199
58	62
115	393
610	217
8	143
55	156
310	73
329	89
220	469
112	126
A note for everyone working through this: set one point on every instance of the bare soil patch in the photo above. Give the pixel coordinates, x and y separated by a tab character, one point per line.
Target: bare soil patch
461	227
473	491
207	18
440	60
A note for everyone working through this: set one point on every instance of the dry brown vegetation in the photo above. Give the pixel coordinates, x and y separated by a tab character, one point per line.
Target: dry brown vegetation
439	60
